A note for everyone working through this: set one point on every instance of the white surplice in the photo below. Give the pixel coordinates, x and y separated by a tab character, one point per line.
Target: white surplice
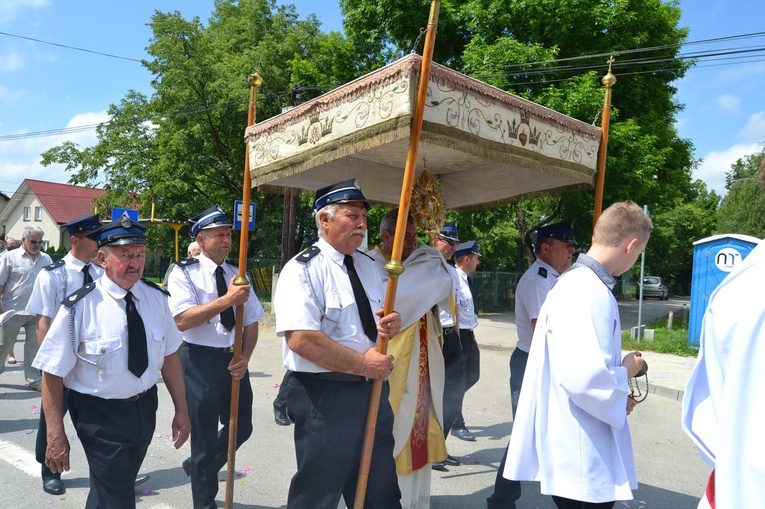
723	412
571	433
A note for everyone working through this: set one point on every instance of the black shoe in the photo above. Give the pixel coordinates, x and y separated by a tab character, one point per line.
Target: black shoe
440	466
452	461
187	467
54	486
281	418
140	479
463	434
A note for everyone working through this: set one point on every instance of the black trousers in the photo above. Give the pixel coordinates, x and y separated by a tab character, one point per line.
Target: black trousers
454	380
41	443
472	367
281	397
330	418
565	503
208	396
115	436
506	492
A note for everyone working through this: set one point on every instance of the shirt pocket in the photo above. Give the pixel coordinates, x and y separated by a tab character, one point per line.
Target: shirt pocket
158	345
107	354
336	321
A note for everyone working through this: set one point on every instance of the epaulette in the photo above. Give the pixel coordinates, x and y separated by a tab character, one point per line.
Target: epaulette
154	285
235	263
542	272
82	292
307	254
362	252
187	261
55	265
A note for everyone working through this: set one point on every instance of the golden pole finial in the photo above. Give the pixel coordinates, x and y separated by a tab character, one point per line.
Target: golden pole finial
608	80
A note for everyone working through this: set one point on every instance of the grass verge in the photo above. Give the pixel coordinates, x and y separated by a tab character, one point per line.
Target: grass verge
673	341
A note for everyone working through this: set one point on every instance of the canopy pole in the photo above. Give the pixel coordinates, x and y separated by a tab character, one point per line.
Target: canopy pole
608	80
255	82
395	267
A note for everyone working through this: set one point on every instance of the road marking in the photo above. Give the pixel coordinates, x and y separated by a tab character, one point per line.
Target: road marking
19	458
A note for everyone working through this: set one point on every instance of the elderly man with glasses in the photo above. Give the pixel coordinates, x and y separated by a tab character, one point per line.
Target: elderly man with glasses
18	270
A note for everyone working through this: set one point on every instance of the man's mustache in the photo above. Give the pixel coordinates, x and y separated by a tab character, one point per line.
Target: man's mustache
358	231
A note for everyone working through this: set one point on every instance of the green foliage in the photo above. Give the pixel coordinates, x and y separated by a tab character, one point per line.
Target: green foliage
743	209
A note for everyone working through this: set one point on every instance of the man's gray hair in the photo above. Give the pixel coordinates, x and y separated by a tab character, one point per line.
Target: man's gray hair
32	230
330	210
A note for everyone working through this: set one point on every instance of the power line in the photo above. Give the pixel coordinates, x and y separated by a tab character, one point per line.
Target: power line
625	66
71	47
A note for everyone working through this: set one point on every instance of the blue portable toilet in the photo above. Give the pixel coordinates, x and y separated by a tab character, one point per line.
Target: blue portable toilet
713	259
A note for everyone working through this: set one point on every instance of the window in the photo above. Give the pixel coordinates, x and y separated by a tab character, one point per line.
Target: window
38	213
27	214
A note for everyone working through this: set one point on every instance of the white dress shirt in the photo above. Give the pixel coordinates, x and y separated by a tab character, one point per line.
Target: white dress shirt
86	344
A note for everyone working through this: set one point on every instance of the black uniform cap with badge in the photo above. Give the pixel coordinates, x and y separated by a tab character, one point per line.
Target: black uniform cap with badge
563	231
83	224
123	231
347	191
466	248
210	218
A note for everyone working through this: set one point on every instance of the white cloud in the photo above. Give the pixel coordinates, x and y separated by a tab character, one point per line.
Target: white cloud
10	8
728	103
754	130
20	159
11	62
716	164
10	96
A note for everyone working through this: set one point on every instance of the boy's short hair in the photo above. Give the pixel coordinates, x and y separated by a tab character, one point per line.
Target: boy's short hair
621	221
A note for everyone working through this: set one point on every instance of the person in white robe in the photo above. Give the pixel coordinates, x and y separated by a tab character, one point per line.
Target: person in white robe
722	410
417	380
571	434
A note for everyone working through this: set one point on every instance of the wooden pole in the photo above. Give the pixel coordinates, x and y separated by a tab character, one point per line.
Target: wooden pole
608	80
395	267
255	82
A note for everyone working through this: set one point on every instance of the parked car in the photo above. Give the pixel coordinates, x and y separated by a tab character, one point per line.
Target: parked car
653	286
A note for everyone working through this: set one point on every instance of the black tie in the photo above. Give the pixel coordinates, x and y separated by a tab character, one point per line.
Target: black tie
138	358
227	315
362	301
86	275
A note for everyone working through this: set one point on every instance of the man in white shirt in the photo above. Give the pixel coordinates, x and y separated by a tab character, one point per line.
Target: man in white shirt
109	345
18	270
53	284
202	299
324	311
466	257
575	392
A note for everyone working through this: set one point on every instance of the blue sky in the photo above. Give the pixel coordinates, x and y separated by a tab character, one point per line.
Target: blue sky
45	87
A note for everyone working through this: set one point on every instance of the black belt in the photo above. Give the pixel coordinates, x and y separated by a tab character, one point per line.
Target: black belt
333	376
131	399
448	330
228	349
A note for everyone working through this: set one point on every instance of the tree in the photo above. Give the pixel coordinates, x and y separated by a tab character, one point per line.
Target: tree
534	49
181	148
743	209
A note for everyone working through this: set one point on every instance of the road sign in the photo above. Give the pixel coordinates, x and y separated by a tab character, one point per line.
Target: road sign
238	216
117	213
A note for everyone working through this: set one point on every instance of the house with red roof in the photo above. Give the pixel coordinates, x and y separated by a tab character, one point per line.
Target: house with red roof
48	205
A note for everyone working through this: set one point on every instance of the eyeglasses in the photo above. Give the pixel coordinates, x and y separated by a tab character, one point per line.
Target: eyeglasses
34	242
451	242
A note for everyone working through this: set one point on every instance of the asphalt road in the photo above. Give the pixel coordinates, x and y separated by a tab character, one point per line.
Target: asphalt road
670	473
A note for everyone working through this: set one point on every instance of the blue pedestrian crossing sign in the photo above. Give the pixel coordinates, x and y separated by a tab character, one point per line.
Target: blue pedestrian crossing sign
118	212
238	204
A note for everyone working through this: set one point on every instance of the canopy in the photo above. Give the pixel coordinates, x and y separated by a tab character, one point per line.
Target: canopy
484	145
